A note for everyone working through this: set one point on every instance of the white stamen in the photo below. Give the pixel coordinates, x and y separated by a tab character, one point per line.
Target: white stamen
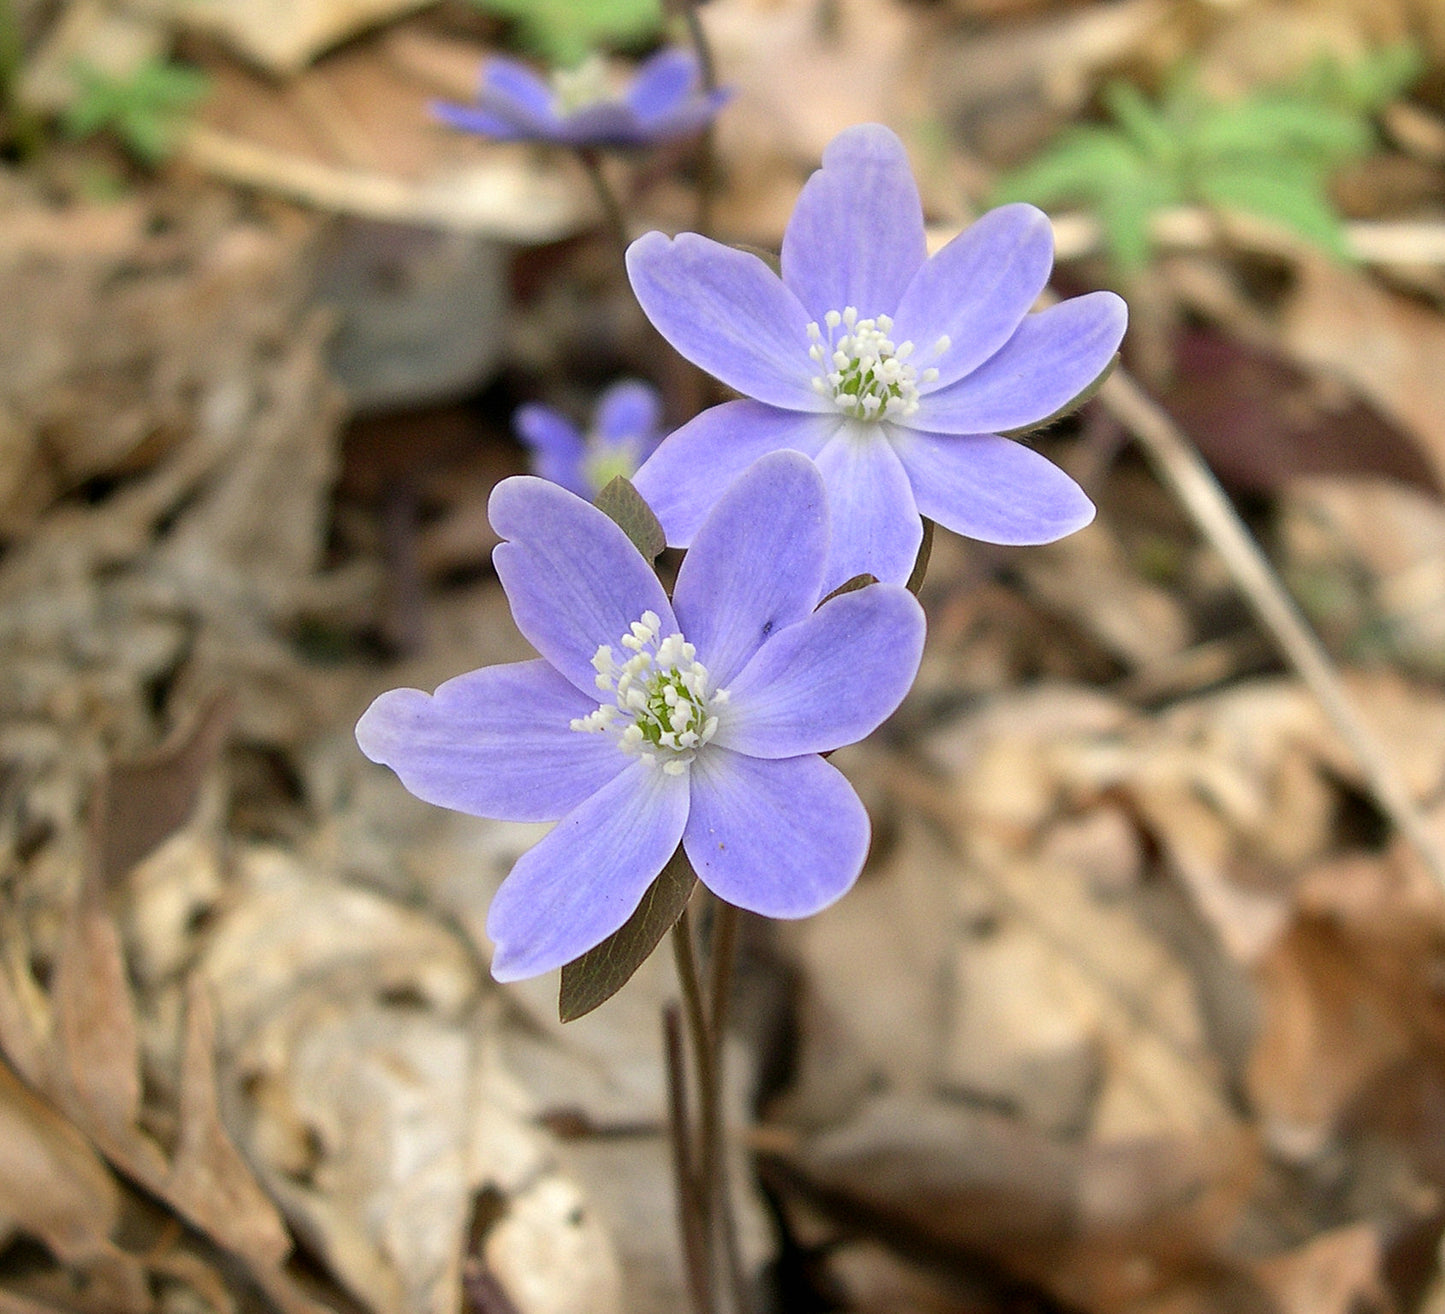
663	709
871	377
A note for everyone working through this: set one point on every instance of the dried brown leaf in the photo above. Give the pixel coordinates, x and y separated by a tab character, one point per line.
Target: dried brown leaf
1088	578
146	801
1336	1017
209	1181
1366	558
1341	321
938	1178
1262	422
98	1049
353	135
1336	1272
13	1303
283	36
52	1183
25	1017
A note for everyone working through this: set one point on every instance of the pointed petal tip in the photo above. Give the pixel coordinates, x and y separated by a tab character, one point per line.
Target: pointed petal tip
509	966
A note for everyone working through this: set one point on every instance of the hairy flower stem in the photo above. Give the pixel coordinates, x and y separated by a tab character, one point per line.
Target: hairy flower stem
707	145
720	1287
700	1195
707	65
720	975
612	213
690	1217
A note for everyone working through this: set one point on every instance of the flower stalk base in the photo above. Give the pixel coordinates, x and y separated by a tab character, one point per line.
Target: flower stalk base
717	1283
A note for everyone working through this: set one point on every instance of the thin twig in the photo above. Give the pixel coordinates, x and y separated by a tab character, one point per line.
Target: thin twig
1184	472
690	1217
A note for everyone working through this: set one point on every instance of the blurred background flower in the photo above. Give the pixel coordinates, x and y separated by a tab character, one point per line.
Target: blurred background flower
581	106
624	431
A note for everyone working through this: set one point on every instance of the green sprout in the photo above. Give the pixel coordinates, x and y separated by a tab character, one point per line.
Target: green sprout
564	31
1270	153
146	109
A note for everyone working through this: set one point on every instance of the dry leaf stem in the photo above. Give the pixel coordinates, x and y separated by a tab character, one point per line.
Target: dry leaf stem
1184	472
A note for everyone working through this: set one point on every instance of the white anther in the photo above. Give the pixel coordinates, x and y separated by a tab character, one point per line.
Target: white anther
662	708
871	377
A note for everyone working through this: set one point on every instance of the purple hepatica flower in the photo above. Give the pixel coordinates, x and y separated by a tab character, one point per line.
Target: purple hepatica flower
625	432
634	738
895	371
580	108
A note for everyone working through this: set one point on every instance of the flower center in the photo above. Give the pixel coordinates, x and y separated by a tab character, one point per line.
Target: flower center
662	708
864	372
579	88
604	461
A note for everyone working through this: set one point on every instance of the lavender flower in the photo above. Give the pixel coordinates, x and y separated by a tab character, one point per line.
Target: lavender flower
625	432
896	372
635	738
580	108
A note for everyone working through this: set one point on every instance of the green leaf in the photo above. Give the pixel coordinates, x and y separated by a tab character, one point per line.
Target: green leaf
150	136
564	31
593	979
1082	165
146	109
1158	140
624	505
1281	125
1125	212
1369	83
1268	154
1383	75
1291	198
